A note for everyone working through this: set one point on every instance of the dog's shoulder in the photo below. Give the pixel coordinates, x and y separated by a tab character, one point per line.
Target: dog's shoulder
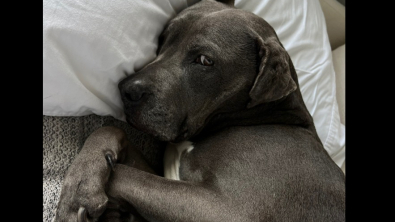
269	135
272	146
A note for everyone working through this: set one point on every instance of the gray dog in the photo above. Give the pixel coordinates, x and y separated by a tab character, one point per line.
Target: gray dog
242	145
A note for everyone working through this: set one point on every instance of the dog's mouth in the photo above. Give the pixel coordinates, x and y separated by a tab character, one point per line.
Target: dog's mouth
143	128
161	132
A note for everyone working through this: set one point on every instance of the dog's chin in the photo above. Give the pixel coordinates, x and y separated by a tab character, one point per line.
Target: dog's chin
162	135
181	137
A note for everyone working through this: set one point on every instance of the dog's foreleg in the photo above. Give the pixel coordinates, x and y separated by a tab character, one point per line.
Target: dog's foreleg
159	199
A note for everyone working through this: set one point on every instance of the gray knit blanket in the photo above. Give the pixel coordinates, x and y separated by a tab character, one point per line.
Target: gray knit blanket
63	138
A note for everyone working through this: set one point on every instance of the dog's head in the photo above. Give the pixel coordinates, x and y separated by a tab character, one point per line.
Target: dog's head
212	58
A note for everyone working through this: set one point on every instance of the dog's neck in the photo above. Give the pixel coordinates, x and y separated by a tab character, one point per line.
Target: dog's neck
290	110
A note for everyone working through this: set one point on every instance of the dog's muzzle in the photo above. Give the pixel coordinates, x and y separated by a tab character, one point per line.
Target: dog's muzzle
154	105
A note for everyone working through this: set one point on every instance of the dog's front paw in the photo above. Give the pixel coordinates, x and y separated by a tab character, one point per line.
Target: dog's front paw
83	196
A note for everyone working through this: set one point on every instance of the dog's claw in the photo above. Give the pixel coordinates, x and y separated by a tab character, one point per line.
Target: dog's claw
110	161
82	215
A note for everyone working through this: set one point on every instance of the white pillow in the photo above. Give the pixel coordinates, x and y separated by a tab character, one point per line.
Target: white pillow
88	46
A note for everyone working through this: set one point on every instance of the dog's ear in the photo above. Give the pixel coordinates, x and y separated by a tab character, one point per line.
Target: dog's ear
228	2
274	80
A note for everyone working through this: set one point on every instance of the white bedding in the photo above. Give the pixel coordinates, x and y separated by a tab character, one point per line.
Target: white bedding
89	46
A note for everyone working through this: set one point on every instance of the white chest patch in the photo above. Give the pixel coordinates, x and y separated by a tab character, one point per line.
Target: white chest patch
172	158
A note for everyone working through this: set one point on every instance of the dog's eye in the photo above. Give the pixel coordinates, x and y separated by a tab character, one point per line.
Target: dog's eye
204	60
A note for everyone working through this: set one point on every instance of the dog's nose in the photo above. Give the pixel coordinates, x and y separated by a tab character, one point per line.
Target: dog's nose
133	91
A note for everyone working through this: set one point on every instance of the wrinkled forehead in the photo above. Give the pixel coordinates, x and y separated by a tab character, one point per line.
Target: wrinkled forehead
218	23
189	16
214	17
199	10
